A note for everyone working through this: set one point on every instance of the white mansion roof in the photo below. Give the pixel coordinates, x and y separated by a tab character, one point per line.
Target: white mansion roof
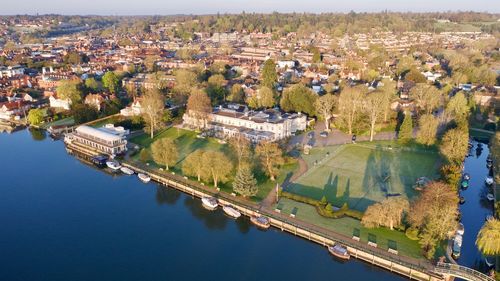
97	133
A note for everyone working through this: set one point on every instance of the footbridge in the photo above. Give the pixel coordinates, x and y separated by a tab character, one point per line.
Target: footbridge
462	272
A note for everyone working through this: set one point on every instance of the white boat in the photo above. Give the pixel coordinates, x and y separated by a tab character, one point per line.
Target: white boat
127	171
457	246
232	212
144	178
209	203
490	197
461	229
489	180
113	165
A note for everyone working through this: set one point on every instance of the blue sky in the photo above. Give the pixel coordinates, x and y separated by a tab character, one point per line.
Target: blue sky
166	7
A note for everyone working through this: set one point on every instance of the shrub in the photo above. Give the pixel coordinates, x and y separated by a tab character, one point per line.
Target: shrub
412	233
325	210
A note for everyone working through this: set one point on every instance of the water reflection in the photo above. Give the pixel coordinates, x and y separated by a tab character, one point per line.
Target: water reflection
37	134
212	219
165	195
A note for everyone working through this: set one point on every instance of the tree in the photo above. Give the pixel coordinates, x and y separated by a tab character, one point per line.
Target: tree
404	65
217	167
374	108
150	62
406	130
316	58
488	238
426	97
427	129
83	113
144	155
245	183
185	81
237	94
350	103
193	164
454	145
324	106
110	81
299	98
92	85
434	213
36	116
388	213
217	80
388	95
199	107
241	148
266	97
415	76
269	75
69	90
271	157
153	106
458	108
164	151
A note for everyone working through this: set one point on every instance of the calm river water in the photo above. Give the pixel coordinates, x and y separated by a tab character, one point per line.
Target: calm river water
63	220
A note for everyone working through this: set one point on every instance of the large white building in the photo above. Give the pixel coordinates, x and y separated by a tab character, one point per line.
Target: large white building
97	140
268	125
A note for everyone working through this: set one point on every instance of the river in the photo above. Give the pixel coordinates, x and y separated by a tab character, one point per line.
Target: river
61	219
476	206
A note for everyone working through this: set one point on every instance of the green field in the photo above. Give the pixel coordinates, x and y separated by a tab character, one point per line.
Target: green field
361	174
187	143
346	226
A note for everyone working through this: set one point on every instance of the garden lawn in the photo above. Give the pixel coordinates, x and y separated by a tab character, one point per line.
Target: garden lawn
69	121
187	143
365	173
346	226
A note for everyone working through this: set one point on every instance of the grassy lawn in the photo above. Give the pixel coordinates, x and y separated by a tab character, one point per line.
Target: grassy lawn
364	173
347	225
110	120
69	121
187	143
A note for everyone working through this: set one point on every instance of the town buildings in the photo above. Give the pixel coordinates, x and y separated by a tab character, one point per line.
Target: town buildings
234	119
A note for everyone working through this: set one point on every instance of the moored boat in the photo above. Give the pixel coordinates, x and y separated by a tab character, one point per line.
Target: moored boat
231	211
461	200
339	251
261	221
114	165
144	178
127	171
465	184
209	203
457	246
489	180
490	197
99	160
461	229
466	176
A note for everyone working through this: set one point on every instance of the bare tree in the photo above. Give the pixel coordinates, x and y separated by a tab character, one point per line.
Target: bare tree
271	158
387	213
198	107
349	105
373	106
324	107
193	164
164	151
241	148
217	167
153	107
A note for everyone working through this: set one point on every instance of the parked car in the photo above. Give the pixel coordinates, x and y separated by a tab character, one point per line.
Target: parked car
324	134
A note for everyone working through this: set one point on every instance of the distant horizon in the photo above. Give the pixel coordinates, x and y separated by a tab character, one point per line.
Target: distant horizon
197	7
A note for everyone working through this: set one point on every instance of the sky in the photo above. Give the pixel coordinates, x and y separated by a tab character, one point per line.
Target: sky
169	7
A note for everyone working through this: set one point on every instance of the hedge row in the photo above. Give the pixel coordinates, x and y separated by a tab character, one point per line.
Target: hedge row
324	208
